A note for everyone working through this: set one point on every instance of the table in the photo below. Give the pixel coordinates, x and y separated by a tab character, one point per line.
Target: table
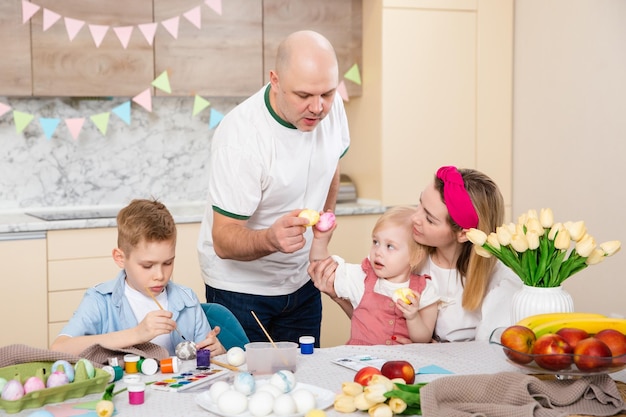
461	358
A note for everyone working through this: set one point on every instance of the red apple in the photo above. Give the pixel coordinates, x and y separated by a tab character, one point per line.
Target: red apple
616	341
519	341
572	335
591	354
364	375
399	369
552	352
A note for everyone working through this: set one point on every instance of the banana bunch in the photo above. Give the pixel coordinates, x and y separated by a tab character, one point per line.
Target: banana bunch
592	323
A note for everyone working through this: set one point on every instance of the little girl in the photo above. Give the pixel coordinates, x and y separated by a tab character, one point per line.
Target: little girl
393	259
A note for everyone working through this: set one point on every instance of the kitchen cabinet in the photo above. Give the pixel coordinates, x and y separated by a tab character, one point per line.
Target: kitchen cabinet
23	289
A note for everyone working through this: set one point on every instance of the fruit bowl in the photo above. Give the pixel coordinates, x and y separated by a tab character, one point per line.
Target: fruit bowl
617	364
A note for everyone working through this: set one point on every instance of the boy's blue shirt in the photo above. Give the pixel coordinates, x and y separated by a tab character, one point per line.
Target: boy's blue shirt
105	309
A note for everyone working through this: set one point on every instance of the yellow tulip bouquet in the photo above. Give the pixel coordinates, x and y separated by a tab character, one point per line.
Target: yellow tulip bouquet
538	250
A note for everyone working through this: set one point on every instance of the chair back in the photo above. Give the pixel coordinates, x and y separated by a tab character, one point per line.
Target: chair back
231	331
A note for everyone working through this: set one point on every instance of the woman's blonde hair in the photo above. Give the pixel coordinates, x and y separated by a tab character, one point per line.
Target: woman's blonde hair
489	204
401	216
144	220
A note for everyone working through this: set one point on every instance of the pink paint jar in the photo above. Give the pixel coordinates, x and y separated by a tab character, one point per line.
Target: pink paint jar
136	393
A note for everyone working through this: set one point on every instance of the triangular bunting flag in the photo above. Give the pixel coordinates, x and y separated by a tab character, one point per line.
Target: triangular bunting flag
73	26
49	126
144	99
343	92
4	108
215	118
101	121
123	112
216	5
75	126
148	30
162	82
199	104
123	34
353	74
194	17
49	19
172	26
97	33
21	120
28	10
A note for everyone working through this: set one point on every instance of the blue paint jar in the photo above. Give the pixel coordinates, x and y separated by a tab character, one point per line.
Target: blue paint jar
306	344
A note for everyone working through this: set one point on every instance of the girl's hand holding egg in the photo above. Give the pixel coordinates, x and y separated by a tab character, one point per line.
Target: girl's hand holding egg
326	221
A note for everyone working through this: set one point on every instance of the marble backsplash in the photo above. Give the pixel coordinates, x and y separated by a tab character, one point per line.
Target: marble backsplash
161	154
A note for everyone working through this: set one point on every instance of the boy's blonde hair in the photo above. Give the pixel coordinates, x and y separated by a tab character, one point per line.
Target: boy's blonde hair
401	216
144	220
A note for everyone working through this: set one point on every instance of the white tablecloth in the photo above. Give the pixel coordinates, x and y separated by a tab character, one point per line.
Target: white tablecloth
317	369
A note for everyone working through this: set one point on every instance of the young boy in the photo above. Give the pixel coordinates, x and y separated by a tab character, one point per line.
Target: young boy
122	312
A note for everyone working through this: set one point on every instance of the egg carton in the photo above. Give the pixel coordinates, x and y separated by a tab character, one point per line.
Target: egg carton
36	399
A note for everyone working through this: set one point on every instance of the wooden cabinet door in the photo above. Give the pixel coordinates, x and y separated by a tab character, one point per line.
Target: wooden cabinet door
222	58
338	20
78	68
15	69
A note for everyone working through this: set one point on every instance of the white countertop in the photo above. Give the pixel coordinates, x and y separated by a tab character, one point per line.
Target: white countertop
16	224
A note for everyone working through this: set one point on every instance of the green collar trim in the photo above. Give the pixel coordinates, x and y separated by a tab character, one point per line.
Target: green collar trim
272	112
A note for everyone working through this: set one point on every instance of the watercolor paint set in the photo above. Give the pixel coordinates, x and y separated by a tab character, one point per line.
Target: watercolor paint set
190	379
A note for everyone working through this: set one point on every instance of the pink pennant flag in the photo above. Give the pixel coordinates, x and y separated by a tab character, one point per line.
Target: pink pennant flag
172	26
148	30
144	99
49	19
216	5
75	126
4	108
28	10
73	26
97	33
343	92
123	34
194	17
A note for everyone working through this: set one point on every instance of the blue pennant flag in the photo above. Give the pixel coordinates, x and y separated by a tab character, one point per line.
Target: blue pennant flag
215	118
49	126
123	112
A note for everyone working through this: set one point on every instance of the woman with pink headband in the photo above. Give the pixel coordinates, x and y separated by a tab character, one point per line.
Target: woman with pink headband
475	292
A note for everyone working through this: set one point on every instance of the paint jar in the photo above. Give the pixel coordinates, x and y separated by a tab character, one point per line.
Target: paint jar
147	366
116	372
170	365
130	363
306	344
132	379
136	393
203	359
114	361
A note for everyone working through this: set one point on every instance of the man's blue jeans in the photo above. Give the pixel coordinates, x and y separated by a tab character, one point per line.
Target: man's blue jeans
285	317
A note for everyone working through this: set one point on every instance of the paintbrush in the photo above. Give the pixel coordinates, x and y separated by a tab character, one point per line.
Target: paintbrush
149	291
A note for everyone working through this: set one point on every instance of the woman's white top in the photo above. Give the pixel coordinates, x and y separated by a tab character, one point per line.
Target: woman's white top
454	323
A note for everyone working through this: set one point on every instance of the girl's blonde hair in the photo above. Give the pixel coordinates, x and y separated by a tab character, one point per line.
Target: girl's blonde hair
144	220
401	216
489	204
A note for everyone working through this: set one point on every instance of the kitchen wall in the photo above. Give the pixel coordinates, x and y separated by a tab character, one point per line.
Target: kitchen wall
161	154
569	136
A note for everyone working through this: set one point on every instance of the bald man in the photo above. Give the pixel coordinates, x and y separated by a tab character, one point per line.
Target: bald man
272	156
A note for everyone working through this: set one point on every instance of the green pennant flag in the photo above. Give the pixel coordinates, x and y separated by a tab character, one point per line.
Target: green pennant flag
101	121
199	104
353	74
21	120
162	82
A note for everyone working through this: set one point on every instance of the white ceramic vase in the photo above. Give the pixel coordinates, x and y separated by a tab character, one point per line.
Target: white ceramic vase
537	300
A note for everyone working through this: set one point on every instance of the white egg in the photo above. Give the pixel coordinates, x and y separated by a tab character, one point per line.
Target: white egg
305	400
236	356
272	389
232	402
284	380
217	389
261	403
284	405
244	383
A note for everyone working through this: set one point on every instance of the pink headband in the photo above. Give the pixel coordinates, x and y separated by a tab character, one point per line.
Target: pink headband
456	198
